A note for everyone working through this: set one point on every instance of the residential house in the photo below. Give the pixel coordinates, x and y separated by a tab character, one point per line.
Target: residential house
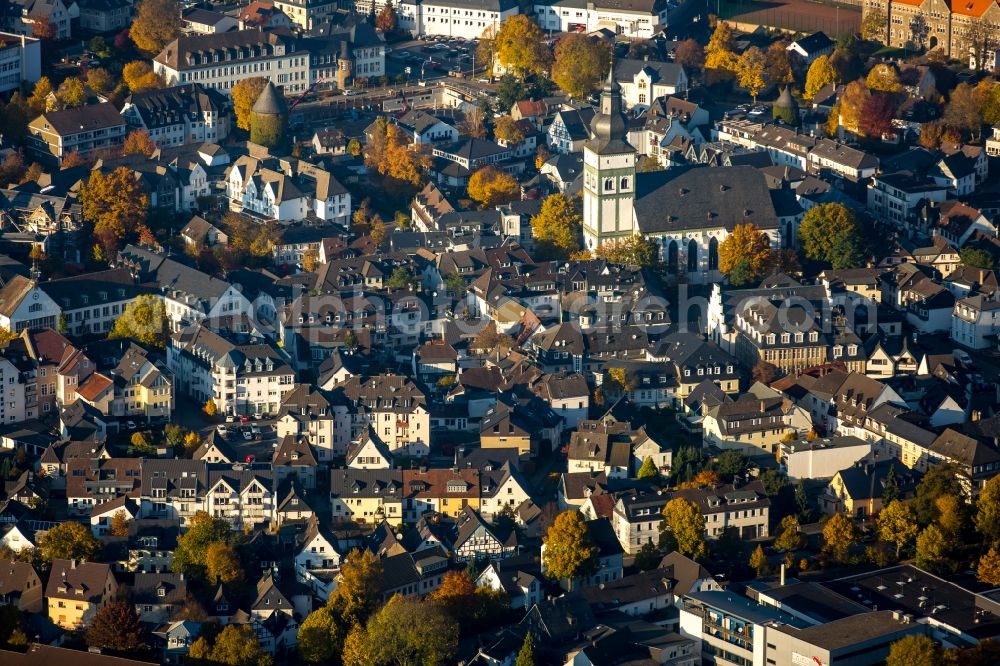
180	115
77	590
20	587
86	130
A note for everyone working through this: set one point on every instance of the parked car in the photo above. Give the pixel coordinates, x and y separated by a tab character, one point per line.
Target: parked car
130	425
221	429
247	435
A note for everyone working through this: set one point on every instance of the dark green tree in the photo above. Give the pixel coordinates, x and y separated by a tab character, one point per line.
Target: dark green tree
890	487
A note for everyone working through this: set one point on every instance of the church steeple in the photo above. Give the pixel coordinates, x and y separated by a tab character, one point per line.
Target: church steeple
609	171
609	128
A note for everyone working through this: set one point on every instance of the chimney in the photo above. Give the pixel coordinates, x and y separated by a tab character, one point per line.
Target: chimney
72	564
782	579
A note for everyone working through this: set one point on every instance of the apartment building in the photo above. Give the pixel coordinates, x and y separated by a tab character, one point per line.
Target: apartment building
180	115
189	296
86	130
469	19
220	61
741	509
20	61
286	191
394	407
367	496
975	322
307	14
239	378
323	416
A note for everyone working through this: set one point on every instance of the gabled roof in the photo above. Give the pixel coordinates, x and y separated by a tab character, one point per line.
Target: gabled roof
90	118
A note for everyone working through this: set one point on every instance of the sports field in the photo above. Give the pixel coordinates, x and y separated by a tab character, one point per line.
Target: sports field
799	15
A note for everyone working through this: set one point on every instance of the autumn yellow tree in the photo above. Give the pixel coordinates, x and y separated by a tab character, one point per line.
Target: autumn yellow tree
852	105
222	564
119	524
685	524
581	63
245	93
144	320
520	46
38	101
821	72
492	187
100	80
556	229
883	77
748	247
873	25
706	478
897	523
758	561
789	537
720	59
388	152
633	250
569	550
988	570
71	93
114	202
156	23
506	129
138	75
838	535
139	142
750	71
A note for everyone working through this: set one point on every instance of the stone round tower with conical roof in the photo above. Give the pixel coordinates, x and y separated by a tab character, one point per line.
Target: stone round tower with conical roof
269	118
785	107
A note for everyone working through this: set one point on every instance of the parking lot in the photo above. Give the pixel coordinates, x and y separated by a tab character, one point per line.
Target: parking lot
426	59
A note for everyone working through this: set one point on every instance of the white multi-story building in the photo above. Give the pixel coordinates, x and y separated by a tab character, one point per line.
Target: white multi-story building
306	410
468	19
23	305
20	61
633	20
220	61
181	115
895	197
240	379
258	187
643	81
975	322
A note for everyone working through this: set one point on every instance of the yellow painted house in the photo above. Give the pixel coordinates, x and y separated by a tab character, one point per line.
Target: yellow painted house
76	590
442	490
367	495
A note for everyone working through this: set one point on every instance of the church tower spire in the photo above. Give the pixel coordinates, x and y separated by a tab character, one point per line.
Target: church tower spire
609	171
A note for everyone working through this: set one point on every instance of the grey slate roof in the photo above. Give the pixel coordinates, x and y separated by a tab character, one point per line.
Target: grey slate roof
695	198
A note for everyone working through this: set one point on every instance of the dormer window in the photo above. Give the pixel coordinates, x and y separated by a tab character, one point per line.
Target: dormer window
798	337
814	336
785	338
